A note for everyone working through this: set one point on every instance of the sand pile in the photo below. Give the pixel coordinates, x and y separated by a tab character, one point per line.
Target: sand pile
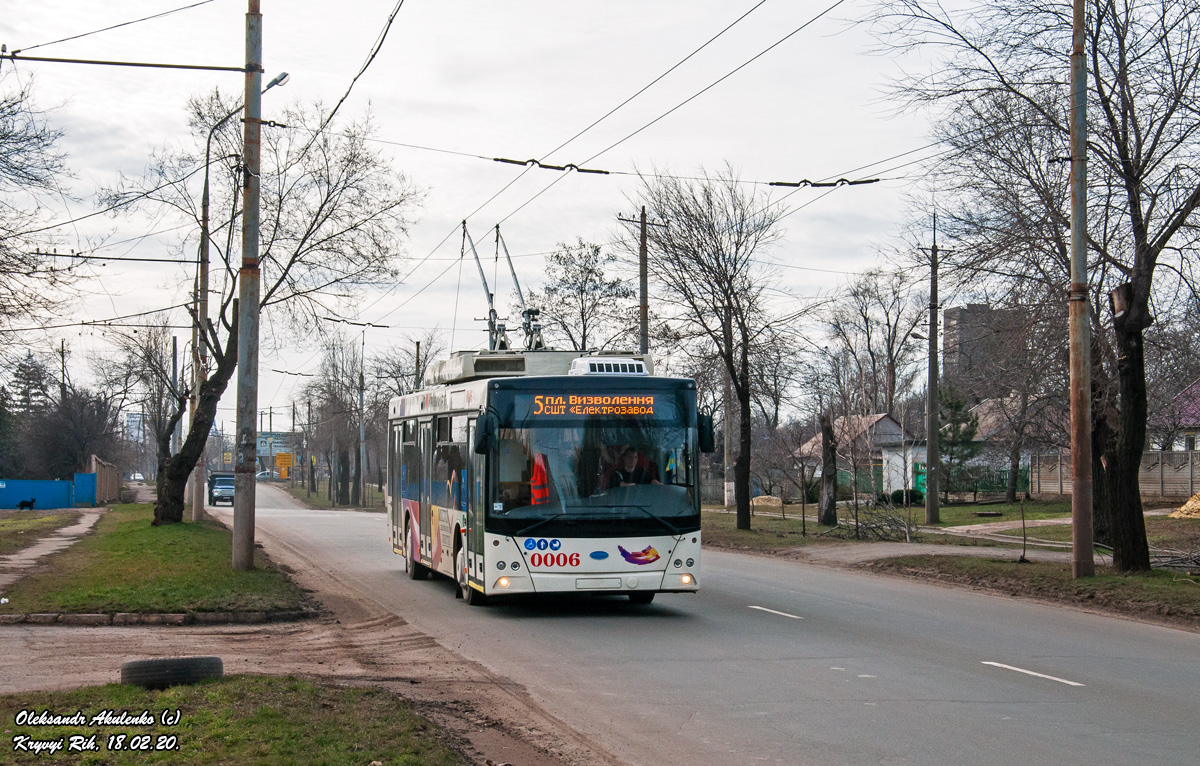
1189	510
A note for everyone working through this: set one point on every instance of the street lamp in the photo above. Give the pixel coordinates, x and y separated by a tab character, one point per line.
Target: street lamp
199	352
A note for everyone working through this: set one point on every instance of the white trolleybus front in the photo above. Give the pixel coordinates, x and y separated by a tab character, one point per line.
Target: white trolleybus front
511	479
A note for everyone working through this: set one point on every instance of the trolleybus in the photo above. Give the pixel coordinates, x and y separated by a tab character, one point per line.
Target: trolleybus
523	472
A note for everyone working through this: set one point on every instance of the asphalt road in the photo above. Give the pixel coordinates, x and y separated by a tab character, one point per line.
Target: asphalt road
780	662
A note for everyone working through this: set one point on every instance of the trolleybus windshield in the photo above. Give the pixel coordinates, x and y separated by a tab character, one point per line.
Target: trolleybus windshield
594	464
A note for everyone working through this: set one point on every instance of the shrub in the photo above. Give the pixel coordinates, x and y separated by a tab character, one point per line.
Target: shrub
915	496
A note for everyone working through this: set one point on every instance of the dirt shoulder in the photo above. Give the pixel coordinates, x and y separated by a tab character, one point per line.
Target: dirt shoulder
352	643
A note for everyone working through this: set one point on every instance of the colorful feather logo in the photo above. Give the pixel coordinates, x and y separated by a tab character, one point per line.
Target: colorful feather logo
646	556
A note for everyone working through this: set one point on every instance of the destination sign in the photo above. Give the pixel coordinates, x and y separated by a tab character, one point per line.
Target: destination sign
583	405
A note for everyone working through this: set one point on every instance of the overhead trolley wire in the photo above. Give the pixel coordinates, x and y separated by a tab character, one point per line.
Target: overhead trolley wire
114	26
683	103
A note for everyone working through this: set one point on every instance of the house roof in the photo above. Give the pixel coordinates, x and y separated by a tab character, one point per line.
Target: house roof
1187	405
881	428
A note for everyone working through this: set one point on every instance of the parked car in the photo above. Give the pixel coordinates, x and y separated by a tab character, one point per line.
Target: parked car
137	477
266	475
220	489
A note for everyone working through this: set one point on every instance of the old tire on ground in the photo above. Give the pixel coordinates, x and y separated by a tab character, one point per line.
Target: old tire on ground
641	597
169	671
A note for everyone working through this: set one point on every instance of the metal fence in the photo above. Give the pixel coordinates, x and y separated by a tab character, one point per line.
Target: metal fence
1162	474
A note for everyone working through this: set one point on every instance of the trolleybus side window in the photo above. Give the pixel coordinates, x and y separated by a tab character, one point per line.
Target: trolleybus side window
410	467
451	460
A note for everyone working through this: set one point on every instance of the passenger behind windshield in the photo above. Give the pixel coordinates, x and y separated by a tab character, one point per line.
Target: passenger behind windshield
633	468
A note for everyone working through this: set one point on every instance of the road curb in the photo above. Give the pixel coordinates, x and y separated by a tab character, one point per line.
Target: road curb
121	619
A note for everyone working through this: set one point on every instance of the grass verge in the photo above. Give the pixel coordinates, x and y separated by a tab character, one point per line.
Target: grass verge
1161	532
320	498
20	529
126	565
1161	595
768	533
246	720
962	515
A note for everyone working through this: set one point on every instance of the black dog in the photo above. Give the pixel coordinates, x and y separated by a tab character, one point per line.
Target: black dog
26	505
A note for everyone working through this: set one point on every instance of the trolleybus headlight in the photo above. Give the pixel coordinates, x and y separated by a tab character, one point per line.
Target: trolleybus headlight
687	579
515	565
500	564
678	563
502	582
690	562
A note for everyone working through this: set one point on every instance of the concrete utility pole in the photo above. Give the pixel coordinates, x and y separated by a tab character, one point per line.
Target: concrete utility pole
248	300
1082	560
932	452
643	281
310	484
730	486
362	417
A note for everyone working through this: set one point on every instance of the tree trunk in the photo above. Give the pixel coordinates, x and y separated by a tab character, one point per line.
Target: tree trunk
1014	472
356	483
741	466
827	504
173	473
1131	552
344	476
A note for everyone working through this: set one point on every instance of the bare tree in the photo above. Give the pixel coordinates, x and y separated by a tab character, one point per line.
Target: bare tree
874	321
144	370
30	166
712	282
334	212
999	77
397	370
334	397
584	304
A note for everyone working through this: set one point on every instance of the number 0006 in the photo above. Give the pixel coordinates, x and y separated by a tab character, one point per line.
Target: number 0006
554	560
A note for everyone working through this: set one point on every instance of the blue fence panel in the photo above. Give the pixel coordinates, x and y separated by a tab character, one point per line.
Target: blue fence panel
44	493
85	489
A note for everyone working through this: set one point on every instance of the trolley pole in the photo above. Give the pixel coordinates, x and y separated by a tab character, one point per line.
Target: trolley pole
1082	562
248	301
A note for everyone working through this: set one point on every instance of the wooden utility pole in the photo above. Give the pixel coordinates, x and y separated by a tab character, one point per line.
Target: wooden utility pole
1082	560
932	425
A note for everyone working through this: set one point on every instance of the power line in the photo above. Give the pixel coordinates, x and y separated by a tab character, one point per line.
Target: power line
114	258
111	208
95	322
720	80
115	26
678	64
683	103
362	70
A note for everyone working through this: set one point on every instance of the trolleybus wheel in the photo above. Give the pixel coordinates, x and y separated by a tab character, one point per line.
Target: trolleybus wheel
641	597
466	592
416	570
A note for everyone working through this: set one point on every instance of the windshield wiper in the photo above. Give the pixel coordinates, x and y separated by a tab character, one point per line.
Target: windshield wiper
537	524
674	530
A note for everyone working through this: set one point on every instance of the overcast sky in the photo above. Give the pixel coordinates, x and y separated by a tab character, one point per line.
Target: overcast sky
495	78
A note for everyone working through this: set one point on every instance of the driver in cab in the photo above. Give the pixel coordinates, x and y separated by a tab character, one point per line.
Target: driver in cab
633	469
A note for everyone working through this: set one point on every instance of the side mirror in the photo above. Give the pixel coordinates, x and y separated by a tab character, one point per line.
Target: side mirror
485	435
708	441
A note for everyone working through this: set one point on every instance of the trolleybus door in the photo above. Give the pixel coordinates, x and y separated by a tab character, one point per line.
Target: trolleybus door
474	536
425	445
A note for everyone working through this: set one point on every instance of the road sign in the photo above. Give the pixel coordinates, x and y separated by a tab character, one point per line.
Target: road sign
283	459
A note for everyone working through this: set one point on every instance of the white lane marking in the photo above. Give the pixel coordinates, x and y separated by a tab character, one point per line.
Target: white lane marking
1031	673
772	611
